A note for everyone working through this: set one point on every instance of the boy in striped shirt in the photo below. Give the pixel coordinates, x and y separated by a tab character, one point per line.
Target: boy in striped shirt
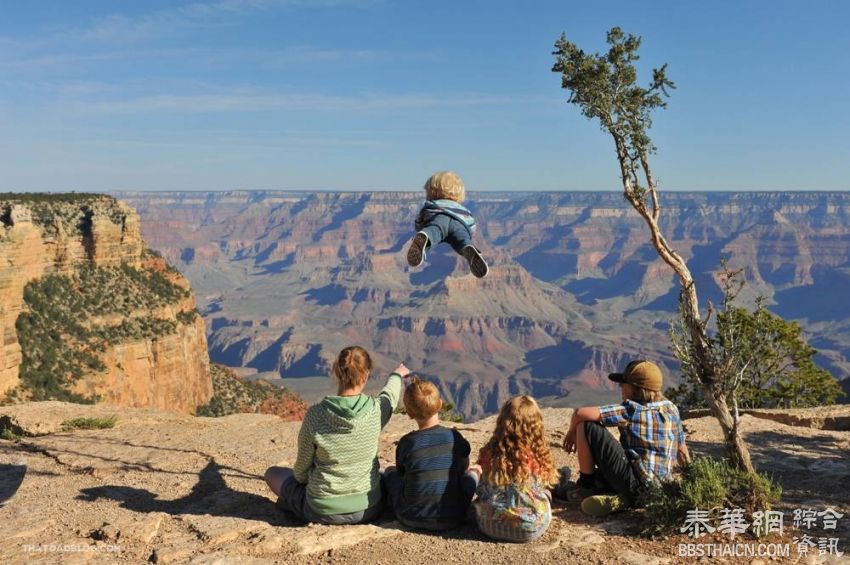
651	440
431	486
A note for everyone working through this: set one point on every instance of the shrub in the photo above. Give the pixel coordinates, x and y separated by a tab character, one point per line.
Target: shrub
9	435
707	484
766	360
232	395
89	423
187	318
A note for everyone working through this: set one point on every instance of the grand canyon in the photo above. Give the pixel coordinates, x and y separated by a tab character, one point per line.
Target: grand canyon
285	279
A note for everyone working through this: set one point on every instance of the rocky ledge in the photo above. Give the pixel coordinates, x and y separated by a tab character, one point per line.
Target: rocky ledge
165	488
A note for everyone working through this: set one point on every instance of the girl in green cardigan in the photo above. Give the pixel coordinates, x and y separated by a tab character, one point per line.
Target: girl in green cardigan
335	479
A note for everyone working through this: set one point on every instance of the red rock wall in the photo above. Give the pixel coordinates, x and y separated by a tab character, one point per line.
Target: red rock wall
170	372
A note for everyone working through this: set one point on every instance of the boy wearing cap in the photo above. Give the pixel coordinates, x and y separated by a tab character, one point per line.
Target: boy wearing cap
651	439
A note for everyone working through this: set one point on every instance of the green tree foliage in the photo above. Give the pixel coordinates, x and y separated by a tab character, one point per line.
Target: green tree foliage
604	87
232	395
68	213
766	361
68	321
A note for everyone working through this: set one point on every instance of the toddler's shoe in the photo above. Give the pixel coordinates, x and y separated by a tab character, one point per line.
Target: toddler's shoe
476	262
416	251
601	505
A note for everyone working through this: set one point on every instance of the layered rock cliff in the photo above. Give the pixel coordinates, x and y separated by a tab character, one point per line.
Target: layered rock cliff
285	279
89	312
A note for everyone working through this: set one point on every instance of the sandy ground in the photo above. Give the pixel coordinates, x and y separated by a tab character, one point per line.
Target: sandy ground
164	488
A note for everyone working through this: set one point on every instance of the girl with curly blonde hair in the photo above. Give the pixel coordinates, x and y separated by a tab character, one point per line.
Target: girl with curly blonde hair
516	466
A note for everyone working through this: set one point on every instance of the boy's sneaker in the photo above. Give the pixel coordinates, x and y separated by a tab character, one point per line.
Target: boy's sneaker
601	505
576	495
476	262
416	251
564	484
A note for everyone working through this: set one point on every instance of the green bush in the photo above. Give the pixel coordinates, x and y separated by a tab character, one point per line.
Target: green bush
9	435
70	213
188	318
232	395
764	360
68	322
706	484
89	423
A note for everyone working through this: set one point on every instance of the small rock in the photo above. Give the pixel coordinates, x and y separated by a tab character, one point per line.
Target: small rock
217	530
179	548
320	540
144	530
269	543
635	558
107	532
225	559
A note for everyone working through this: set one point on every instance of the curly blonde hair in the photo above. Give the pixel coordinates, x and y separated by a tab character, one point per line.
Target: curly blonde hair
519	446
445	185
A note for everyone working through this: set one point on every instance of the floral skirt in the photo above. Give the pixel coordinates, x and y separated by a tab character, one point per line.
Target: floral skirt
511	513
507	531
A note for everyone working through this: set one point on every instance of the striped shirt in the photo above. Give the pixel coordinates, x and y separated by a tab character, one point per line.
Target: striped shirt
650	434
431	463
448	208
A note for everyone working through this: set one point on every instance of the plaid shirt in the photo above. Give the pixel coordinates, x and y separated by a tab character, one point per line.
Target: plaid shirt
650	434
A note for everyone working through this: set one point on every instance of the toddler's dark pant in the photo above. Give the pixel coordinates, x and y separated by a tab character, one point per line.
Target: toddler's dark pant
442	228
293	498
612	463
394	485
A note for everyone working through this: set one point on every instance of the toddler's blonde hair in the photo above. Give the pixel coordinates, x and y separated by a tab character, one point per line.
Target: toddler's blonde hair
445	185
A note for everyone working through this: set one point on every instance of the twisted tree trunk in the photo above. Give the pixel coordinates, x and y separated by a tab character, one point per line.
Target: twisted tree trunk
712	386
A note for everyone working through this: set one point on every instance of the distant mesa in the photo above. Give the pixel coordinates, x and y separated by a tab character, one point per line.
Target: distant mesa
90	313
286	279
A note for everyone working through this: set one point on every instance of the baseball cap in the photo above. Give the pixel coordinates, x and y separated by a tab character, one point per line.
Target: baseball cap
644	374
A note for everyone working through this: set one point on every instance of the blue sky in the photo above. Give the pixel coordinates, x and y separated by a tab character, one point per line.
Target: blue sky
370	94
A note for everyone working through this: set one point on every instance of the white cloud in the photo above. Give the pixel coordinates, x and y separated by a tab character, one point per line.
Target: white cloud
119	28
260	102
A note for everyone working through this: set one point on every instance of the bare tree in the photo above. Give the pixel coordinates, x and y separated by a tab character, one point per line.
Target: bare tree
604	87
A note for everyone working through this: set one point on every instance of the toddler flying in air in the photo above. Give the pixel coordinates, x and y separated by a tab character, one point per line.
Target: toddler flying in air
444	218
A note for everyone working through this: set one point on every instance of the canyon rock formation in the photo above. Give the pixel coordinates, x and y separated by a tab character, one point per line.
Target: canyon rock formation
285	279
63	236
